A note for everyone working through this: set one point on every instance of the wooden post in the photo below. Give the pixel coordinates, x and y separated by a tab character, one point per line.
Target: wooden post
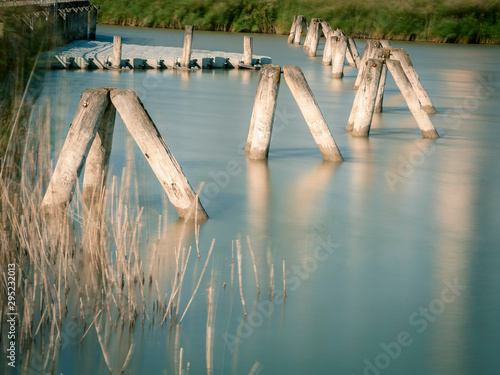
261	123
326	28
293	29
156	151
96	166
85	24
311	112
380	93
92	23
401	55
408	91
314	41
368	91
186	53
247	50
329	50
117	52
371	46
301	23
74	151
339	57
385	44
310	32
351	44
82	26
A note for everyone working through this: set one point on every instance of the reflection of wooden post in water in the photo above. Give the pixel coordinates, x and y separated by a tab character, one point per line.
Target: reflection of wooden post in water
186	52
406	88
74	151
156	151
259	192
368	94
117	52
311	112
261	123
247	50
96	166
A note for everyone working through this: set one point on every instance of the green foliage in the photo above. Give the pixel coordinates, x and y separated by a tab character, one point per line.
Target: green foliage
472	21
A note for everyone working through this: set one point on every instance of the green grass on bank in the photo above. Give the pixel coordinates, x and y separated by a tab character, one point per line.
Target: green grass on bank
472	21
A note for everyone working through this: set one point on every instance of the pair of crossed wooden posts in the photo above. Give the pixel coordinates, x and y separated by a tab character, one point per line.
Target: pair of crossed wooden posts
89	143
370	84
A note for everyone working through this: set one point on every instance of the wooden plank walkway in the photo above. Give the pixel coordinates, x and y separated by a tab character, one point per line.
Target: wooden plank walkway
83	54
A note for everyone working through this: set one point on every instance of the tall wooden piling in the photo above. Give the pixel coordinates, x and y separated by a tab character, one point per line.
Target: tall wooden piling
96	166
301	23
408	91
186	52
92	23
370	50
314	40
310	31
311	112
247	50
325	28
381	88
261	123
353	50
339	57
368	91
401	55
74	151
117	52
293	29
329	52
157	153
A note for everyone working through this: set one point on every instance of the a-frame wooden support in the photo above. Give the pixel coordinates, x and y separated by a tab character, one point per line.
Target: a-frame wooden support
89	138
261	123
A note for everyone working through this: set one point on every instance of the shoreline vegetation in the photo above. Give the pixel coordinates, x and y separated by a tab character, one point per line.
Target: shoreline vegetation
442	21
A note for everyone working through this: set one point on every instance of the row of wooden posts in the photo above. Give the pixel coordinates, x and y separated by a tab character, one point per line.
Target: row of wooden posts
185	62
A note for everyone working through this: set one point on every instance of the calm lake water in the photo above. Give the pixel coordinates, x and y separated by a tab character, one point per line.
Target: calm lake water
392	257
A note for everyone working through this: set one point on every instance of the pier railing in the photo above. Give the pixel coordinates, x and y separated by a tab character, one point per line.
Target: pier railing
32	2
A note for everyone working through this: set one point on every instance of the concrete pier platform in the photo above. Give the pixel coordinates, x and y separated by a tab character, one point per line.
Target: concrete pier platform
83	54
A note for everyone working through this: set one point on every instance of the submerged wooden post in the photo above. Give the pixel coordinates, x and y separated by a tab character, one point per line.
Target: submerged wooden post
408	91
74	151
311	112
371	47
329	50
117	52
339	57
351	44
247	50
156	151
261	123
96	166
314	41
368	92
401	55
293	29
92	23
186	52
301	23
380	93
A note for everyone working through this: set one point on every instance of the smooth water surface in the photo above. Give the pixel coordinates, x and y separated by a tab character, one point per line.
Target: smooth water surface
392	257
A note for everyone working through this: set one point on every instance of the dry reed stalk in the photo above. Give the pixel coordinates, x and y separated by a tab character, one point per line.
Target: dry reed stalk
210	326
238	255
103	348
284	280
254	265
199	280
180	361
232	263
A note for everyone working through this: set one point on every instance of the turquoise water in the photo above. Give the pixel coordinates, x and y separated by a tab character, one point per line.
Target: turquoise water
392	256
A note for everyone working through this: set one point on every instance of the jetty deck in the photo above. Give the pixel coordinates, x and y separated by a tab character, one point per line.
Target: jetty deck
84	54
